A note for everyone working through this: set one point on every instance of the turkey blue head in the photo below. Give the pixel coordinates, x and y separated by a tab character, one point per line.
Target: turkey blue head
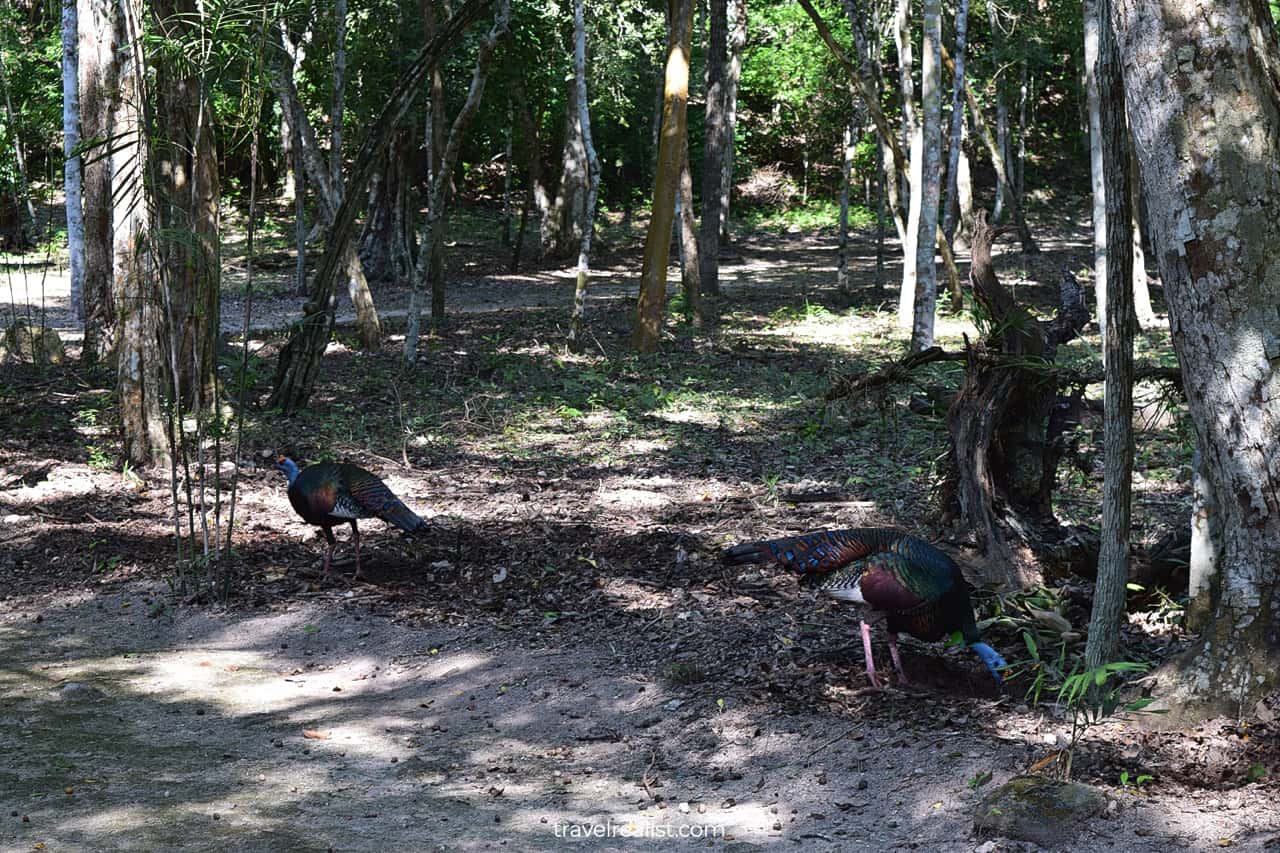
288	467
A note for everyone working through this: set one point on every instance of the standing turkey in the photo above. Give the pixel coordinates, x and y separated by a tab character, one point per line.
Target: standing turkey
919	589
330	493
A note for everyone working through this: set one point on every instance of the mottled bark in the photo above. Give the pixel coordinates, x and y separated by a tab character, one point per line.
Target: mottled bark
562	226
1203	87
136	280
846	172
926	295
98	82
1113	554
651	307
690	261
951	209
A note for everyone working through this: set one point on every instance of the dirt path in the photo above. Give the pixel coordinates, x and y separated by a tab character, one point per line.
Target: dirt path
321	727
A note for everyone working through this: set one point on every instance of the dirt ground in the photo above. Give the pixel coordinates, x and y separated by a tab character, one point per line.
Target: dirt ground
564	655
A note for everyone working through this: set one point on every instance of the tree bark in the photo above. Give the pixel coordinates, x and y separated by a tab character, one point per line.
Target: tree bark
951	210
690	262
651	306
99	74
1004	426
1113	556
190	190
713	152
299	363
73	181
1093	40
1146	314
26	211
926	296
139	354
339	93
1203	88
910	180
737	44
577	323
846	173
562	227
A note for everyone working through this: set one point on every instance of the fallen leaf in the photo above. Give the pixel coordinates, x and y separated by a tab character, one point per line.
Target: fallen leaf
312	734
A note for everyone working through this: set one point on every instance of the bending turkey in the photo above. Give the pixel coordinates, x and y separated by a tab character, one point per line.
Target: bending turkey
330	493
920	589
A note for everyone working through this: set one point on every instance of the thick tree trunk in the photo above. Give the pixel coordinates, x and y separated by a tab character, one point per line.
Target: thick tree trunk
1203	92
577	323
1113	556
73	181
737	43
537	192
98	81
651	307
713	153
562	228
385	251
190	189
1004	452
926	296
136	283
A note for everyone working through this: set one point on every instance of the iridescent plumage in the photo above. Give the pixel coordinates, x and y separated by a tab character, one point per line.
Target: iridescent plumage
921	590
330	493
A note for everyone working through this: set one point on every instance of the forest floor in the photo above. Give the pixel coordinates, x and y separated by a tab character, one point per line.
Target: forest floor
564	651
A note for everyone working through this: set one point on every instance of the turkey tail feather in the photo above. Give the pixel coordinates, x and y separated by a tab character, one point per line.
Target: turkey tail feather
747	554
401	516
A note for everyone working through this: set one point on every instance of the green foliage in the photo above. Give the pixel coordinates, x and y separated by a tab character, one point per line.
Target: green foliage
1092	695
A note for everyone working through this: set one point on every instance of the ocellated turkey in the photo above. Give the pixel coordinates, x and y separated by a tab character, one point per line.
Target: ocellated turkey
331	493
921	590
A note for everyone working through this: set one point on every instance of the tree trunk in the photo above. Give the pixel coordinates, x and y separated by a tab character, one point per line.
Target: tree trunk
1004	428
926	296
1147	318
339	93
951	210
430	269
72	174
1206	533
299	363
737	43
713	153
577	324
1113	556
99	74
690	261
562	228
537	191
1204	105
189	187
846	172
385	251
139	353
1093	39
651	307
911	185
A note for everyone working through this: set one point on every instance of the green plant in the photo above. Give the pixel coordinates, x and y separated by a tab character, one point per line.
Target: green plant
979	779
1137	782
1092	695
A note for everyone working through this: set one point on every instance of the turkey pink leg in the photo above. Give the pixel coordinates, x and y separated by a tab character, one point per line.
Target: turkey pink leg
897	661
866	652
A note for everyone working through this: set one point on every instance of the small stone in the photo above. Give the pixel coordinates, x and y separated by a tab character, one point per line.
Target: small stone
862	784
1037	809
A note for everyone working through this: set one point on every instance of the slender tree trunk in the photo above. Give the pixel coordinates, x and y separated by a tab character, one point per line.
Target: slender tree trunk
912	142
577	324
1203	92
926	295
714	151
430	269
846	172
98	74
690	280
1113	557
299	172
651	306
964	192
951	210
72	174
1093	40
507	169
737	44
538	193
883	177
339	93
562	228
